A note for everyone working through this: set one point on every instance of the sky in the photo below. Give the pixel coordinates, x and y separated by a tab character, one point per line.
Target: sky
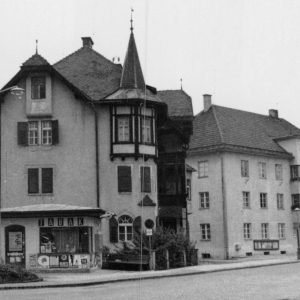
245	53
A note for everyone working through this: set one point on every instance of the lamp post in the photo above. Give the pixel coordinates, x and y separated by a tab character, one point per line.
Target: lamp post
15	91
297	209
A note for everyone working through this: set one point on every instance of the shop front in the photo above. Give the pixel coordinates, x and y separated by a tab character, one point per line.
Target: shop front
52	236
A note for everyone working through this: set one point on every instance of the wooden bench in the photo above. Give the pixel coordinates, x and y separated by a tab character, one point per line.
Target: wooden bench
128	259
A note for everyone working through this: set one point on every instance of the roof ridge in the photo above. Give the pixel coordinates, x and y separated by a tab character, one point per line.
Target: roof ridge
218	124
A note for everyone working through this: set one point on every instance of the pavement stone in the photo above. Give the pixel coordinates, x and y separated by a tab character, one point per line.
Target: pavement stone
101	276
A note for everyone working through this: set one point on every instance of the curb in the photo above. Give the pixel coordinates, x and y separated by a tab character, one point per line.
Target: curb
158	276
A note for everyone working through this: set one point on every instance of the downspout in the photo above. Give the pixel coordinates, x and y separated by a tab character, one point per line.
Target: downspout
97	155
224	202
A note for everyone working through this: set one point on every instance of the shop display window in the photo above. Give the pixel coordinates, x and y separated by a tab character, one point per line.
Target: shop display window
66	240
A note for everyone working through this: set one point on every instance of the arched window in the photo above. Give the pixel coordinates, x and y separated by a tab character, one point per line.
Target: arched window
125	228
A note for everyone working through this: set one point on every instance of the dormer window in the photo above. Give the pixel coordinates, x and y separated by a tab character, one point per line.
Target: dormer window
38	87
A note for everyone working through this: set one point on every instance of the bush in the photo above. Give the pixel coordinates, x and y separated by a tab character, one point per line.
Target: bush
14	273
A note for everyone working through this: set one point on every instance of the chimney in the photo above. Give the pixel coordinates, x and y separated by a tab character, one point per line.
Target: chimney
206	102
273	113
87	41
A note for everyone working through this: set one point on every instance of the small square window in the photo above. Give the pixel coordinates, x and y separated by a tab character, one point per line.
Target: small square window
203	169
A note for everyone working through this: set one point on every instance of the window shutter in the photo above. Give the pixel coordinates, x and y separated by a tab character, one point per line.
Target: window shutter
55	135
124	179
146	179
137	224
33	181
23	133
113	230
47	180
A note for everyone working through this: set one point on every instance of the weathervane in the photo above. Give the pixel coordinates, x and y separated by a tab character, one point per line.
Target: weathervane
36	50
131	28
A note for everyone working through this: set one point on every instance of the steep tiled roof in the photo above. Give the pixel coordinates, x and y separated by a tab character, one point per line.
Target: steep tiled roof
179	103
132	75
90	72
35	60
225	126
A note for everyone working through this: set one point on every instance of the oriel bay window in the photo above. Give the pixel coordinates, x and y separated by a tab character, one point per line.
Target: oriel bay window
66	240
38	132
295	172
123	129
40	181
146	130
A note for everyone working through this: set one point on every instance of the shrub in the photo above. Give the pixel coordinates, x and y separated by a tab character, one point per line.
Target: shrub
14	273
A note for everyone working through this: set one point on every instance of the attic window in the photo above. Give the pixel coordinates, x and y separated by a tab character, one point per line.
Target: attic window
38	87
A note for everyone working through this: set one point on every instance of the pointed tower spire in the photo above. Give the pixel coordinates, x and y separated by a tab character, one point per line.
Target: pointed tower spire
132	75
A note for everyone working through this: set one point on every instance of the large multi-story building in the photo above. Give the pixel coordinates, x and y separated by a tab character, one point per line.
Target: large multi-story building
87	137
246	182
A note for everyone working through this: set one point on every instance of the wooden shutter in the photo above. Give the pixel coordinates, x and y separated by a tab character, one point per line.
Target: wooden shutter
55	135
137	224
33	181
23	133
146	179
124	179
113	230
47	180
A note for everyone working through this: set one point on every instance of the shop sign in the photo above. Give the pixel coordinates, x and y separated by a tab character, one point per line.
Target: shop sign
41	222
70	221
33	260
50	221
64	261
60	221
43	262
15	241
84	261
54	261
80	221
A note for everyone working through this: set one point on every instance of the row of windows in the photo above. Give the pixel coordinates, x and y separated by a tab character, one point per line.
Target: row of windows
205	231
40	180
204	202
262	170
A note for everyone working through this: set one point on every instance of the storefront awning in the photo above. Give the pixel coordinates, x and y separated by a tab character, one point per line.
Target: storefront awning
51	210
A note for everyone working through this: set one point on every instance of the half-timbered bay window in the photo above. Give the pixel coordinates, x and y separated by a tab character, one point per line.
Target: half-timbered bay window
123	129
125	228
39	132
295	172
40	181
38	87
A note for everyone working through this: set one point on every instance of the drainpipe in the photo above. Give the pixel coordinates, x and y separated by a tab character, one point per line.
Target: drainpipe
97	155
224	202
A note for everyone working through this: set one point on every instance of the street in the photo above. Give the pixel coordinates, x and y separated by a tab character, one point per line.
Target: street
279	282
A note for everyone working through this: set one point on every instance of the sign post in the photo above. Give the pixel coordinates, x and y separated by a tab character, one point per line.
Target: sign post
149	225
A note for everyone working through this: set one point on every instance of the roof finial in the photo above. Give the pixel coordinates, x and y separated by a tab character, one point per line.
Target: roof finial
181	83
131	28
36	50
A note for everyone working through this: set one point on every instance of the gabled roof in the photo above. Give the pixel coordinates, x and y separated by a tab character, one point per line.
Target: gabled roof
35	60
90	72
222	127
179	103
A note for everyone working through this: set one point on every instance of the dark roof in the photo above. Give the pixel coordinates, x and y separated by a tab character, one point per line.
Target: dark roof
90	72
35	60
132	75
220	126
179	103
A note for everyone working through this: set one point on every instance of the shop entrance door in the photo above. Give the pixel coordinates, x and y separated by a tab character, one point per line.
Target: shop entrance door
15	245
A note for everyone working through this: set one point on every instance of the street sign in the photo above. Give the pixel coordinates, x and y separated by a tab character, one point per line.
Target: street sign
149	223
149	232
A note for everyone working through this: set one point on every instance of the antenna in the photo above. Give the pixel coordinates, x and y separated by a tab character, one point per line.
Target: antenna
181	83
36	50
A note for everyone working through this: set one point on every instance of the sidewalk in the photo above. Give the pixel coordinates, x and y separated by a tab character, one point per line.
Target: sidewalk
52	280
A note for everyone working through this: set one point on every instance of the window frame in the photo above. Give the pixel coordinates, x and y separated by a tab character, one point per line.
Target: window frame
264	230
281	231
262	169
295	172
204	201
245	168
205	232
278	172
203	174
145	187
117	118
126	225
121	180
39	87
39	181
263	197
148	128
247	231
246	199
280	201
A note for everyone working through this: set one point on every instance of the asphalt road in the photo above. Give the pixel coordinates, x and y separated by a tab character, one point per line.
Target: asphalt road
280	282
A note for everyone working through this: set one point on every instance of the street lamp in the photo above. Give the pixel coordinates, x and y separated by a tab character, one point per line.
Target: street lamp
297	209
15	91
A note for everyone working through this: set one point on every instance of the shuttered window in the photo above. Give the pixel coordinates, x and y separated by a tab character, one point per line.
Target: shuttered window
40	180
145	180
33	181
113	230
124	179
47	180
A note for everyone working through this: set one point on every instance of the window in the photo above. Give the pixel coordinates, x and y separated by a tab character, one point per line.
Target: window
125	228
278	172
296	200
246	199
204	200
205	232
203	169
40	180
188	189
146	129
262	170
123	127
145	180
280	201
281	230
265	230
38	133
263	200
124	179
245	168
66	240
295	172
38	87
247	231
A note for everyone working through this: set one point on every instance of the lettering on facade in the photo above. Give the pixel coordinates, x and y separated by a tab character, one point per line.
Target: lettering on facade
41	222
80	221
60	221
70	221
50	221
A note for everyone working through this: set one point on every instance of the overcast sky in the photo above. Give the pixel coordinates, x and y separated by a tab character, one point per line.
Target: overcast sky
245	53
